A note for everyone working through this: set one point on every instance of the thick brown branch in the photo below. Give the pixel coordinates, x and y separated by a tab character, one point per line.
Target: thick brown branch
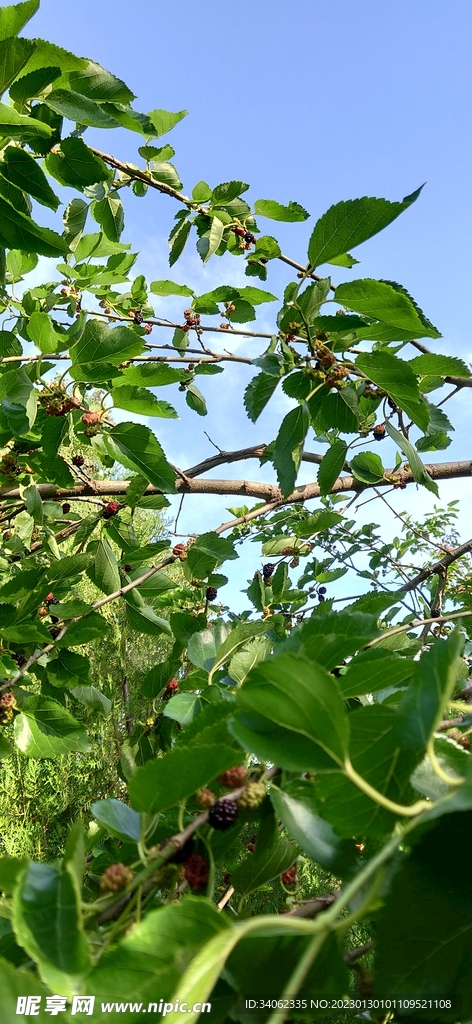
247	488
437	568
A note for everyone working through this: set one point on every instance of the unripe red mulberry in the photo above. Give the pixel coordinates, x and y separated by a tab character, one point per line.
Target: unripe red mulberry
111	509
379	431
234	777
7	700
171	689
90	419
205	798
253	795
115	877
290	876
180	551
196	872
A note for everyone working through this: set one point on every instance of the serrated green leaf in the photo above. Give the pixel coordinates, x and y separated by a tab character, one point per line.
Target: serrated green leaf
45	729
347	224
367	467
108	212
164	120
331	465
288	448
81	109
384	302
417	468
276	211
73	163
140	400
258	392
164	782
170	288
138	449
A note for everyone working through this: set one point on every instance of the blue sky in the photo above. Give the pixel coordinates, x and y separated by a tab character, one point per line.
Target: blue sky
309	101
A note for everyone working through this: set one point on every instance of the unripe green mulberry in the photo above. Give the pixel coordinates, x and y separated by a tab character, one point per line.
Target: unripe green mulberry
115	877
253	795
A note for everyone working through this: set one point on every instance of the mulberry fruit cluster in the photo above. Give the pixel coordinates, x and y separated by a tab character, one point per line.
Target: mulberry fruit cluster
78	460
267	570
205	798
196	872
171	689
289	877
222	815
111	509
234	777
379	432
211	593
115	877
253	795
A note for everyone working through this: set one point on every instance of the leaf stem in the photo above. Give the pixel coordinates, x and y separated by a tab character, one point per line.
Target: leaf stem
450	779
404	810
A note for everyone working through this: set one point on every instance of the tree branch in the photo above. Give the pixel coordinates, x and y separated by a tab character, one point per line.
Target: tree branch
437	568
246	488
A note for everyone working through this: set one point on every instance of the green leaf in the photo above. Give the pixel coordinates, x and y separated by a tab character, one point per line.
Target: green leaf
119	819
96	83
170	288
142	401
103	571
288	448
18	126
345	260
183	708
423	931
202	646
76	107
262	866
73	163
330	637
92	627
150	959
424	703
367	467
108	212
300	697
248	656
384	302
152	375
227	191
195	400
443	366
46	919
415	463
32	84
258	392
138	449
295	806
68	668
42	333
14	54
395	377
144	619
376	755
23	171
275	211
375	669
100	343
177	241
164	120
316	523
331	465
5	749
162	170
347	224
10	869
45	729
238	636
161	783
201	192
21	232
14	18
